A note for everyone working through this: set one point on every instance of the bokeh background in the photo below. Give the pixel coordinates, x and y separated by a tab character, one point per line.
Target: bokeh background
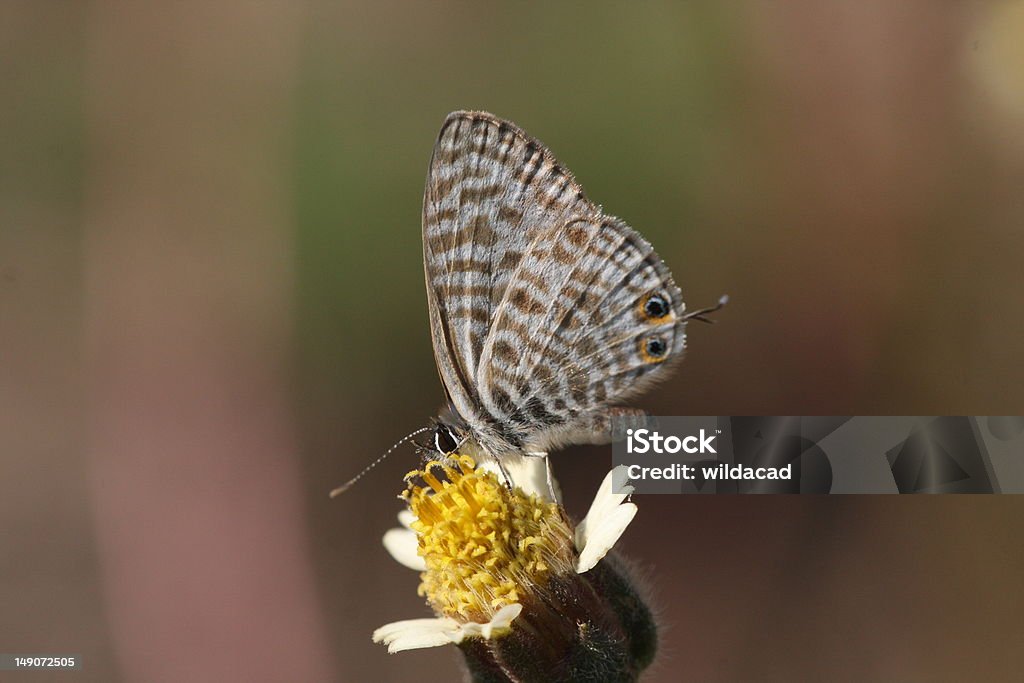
212	311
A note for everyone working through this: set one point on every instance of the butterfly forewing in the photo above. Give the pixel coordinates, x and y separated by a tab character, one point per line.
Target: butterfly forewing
543	310
490	190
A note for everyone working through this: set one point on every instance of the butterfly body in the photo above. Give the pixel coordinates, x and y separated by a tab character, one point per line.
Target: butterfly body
545	313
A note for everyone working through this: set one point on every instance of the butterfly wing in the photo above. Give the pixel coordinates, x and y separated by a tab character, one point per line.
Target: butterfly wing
491	190
592	317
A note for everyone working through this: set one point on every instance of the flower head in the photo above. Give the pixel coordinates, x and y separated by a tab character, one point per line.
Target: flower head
524	593
482	544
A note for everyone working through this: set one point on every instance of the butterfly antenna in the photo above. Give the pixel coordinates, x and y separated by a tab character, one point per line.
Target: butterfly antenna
348	484
702	313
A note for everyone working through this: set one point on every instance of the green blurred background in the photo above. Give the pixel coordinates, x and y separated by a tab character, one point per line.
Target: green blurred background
212	312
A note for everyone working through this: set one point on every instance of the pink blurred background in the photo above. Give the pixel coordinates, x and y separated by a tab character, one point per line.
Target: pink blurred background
212	312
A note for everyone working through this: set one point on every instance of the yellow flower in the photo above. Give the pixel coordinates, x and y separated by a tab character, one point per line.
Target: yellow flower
483	544
487	549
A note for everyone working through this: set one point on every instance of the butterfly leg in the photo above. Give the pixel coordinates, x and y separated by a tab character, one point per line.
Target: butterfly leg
504	473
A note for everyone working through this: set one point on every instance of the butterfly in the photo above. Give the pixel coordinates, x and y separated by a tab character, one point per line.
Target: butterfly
545	312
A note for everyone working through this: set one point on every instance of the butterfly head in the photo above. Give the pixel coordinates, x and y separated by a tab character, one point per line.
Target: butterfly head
446	435
445	439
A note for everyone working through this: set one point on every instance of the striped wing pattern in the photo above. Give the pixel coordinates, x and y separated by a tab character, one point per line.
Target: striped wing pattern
537	299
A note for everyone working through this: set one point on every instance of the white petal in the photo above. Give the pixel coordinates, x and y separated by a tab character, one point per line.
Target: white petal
499	623
604	503
413	634
604	524
502	620
601	538
403	546
406	518
419	633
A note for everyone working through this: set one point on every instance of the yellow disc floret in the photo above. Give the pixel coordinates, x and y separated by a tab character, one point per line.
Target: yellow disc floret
485	546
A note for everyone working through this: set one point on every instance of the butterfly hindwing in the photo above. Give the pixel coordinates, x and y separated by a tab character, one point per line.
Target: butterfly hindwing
577	330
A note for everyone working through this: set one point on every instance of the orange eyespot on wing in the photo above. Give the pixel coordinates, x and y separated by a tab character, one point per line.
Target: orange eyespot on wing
653	349
654	308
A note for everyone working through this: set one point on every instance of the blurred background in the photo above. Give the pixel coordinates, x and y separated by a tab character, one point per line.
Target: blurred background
212	312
